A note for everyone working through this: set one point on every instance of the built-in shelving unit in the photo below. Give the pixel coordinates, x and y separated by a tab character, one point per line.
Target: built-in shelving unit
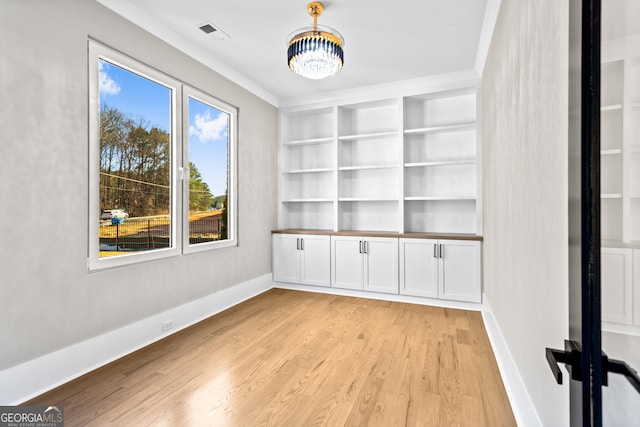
369	166
440	166
398	164
620	147
620	186
611	154
307	168
633	147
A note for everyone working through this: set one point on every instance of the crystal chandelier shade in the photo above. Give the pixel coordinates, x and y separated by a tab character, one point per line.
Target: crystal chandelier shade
315	53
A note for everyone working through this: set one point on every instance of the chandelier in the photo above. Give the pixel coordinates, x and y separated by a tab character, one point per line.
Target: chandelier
315	52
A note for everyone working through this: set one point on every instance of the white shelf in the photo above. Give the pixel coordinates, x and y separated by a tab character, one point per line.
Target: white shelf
366	167
311	141
440	163
366	199
367	136
314	170
610	152
611	196
611	107
436	198
307	200
443	128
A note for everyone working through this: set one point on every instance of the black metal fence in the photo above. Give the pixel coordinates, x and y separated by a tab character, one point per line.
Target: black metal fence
149	234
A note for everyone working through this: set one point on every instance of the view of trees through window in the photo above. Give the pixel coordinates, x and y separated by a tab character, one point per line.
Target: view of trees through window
135	169
208	172
136	159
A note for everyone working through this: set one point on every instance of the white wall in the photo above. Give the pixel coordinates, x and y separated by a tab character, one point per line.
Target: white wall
525	179
48	300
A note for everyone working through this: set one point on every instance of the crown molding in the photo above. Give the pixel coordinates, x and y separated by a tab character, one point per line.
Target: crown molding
491	13
129	11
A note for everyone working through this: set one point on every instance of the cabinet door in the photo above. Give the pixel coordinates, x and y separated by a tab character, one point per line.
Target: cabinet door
459	270
346	262
286	258
617	298
419	267
381	264
315	262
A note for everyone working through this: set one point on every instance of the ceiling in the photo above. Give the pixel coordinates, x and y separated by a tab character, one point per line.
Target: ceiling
384	41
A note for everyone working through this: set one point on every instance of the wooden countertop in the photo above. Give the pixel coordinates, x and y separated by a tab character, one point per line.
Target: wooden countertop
448	236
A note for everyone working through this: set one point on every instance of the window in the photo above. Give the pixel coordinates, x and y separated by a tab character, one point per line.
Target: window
162	156
208	200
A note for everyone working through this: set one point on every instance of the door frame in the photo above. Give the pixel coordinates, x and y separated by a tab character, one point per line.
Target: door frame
584	212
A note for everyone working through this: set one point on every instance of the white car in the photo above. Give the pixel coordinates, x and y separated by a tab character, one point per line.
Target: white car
114	213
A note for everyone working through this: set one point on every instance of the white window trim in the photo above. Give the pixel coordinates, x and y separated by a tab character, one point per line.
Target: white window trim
190	92
179	194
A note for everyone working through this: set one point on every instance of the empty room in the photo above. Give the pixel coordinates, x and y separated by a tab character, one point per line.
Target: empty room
337	213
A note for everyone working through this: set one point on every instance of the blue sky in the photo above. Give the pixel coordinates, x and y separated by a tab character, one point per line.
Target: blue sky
142	99
208	136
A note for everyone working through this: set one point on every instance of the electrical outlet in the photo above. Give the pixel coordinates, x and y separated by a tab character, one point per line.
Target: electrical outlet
166	325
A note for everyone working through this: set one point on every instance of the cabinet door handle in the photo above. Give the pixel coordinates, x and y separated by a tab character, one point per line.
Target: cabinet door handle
441	251
366	247
302	244
360	246
435	250
298	244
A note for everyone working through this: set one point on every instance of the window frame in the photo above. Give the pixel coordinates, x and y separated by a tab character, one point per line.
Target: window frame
180	93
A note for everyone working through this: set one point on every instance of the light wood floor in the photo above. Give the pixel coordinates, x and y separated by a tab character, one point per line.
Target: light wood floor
289	358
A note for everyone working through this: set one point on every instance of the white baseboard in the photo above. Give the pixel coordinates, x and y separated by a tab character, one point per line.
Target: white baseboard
521	403
380	296
30	379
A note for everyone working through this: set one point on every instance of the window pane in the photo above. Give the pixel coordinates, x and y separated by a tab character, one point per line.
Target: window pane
208	173
135	162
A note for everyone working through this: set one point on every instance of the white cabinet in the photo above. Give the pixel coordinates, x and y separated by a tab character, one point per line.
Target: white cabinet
459	270
419	267
365	263
620	269
347	269
302	258
446	269
381	264
413	265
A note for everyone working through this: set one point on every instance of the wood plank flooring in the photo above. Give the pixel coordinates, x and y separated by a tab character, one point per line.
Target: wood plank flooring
290	358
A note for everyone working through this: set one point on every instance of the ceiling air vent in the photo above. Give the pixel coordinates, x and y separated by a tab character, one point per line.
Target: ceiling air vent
216	33
208	28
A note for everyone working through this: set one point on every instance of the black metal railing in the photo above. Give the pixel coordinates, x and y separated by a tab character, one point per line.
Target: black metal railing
154	233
